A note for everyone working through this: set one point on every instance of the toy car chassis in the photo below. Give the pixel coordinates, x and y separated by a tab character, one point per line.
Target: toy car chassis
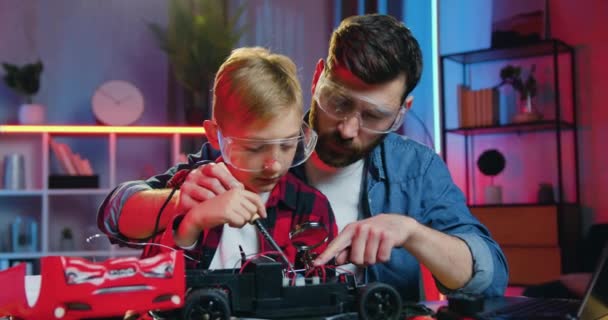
261	290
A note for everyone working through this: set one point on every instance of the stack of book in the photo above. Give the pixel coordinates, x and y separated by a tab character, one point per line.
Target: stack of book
71	163
477	108
77	171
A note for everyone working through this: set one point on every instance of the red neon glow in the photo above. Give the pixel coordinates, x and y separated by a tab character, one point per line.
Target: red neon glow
101	129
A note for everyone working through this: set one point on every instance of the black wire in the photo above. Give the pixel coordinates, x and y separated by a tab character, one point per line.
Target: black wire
160	212
427	133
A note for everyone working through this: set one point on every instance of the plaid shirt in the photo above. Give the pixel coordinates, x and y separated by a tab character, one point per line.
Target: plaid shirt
291	202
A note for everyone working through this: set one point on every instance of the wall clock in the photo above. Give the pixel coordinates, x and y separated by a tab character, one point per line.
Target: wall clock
117	103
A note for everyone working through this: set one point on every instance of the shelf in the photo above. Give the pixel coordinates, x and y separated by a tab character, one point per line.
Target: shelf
522	205
71	192
21	193
542	48
83	253
536	126
54	204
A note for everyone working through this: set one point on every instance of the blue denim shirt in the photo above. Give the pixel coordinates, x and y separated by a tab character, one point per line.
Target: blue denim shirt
403	177
406	177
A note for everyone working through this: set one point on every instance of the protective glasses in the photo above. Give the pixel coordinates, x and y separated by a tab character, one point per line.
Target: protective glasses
253	155
341	104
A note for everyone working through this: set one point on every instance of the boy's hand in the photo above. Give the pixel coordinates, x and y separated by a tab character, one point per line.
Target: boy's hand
236	207
206	182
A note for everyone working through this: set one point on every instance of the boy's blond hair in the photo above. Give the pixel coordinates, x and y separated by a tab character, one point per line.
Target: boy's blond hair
255	84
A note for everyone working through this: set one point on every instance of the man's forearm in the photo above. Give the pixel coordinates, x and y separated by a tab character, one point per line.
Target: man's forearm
139	213
447	257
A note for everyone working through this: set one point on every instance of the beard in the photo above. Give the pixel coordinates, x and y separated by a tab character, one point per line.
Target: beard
334	150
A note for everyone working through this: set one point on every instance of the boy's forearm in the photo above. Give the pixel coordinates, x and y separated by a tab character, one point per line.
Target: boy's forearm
187	233
139	213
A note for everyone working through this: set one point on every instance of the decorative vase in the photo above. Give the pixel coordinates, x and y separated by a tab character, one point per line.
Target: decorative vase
30	113
545	194
67	244
527	113
493	195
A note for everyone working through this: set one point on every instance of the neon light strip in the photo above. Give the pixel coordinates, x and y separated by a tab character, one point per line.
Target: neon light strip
382	6
101	129
435	68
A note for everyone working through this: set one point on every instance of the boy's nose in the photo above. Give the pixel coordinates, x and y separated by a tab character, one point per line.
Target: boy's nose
272	165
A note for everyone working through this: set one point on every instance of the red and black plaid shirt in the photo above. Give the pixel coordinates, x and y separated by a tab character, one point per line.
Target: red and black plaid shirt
291	202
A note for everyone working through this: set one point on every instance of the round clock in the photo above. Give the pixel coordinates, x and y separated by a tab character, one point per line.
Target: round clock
117	103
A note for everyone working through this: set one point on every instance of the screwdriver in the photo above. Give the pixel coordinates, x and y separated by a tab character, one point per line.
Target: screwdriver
270	240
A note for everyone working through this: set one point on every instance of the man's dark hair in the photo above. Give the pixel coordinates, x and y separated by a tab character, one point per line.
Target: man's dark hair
377	49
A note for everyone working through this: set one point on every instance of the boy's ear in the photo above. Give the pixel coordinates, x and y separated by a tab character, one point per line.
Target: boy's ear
318	71
211	133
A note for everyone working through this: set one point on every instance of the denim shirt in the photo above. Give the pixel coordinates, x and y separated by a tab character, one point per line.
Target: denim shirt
406	177
403	177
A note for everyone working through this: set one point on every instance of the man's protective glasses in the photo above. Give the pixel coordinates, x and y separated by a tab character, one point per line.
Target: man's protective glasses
341	104
254	155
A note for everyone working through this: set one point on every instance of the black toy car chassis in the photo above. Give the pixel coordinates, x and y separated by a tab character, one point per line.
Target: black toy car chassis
262	290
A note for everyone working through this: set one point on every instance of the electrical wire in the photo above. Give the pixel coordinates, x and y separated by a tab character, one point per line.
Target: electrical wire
427	133
139	244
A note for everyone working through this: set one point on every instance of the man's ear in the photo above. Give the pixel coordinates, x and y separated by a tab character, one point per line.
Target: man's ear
211	133
408	102
318	71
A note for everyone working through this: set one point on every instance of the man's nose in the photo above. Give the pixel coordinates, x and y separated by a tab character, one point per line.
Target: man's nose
349	126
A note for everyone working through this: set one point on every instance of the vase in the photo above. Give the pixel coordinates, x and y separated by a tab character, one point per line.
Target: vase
545	194
31	113
527	112
67	244
493	195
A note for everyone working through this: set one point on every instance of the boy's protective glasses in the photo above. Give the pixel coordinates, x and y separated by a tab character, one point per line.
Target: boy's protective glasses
253	155
341	104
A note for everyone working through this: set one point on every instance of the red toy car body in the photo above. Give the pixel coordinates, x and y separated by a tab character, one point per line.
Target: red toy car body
75	288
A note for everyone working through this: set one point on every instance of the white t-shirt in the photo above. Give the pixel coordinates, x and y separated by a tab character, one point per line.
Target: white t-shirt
342	186
227	254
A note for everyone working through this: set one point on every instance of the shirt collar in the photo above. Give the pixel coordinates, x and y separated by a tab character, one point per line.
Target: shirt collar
283	193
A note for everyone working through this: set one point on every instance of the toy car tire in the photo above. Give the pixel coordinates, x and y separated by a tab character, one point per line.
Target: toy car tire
379	301
207	304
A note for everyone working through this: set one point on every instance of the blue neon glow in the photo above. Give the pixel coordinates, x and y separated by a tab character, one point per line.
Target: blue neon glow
435	68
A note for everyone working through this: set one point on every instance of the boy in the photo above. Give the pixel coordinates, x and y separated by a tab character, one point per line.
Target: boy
257	125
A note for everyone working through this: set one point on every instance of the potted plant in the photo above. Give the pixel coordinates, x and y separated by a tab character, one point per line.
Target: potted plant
197	39
526	86
25	81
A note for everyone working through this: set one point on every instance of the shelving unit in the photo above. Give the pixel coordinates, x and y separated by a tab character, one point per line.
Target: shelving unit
54	209
530	232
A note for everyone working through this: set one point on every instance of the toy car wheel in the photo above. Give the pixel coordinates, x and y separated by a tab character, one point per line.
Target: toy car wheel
379	301
207	304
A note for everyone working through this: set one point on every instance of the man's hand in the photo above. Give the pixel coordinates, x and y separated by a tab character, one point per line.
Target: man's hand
206	182
369	241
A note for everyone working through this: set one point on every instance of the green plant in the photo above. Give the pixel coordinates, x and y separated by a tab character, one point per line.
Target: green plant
25	80
512	75
197	40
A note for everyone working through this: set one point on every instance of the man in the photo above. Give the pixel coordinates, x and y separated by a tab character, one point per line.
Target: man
395	203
